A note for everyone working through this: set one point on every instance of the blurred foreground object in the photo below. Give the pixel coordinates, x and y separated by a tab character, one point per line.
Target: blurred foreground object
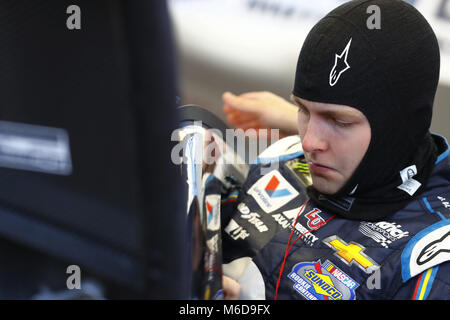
84	151
207	160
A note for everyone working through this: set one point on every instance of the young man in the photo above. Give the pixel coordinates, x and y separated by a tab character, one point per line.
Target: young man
360	208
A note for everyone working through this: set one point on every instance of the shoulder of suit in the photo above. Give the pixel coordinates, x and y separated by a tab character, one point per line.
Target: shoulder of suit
430	246
283	150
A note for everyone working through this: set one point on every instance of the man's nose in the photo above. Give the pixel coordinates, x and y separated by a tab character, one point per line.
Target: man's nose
314	137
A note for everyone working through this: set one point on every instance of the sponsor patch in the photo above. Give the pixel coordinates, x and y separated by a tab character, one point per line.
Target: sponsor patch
315	221
445	202
252	217
351	254
382	232
272	191
317	281
428	248
286	220
236	231
300	170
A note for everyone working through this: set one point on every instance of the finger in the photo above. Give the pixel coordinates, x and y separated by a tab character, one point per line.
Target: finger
228	109
242	119
239	117
240	103
255	95
250	125
231	288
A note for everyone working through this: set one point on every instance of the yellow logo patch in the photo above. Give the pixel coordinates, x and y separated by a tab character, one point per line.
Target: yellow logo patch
351	253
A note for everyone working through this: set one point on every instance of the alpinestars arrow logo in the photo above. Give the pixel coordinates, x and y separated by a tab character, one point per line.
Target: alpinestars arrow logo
340	64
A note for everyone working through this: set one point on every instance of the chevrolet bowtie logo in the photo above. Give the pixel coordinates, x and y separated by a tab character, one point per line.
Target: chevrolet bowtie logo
351	254
340	64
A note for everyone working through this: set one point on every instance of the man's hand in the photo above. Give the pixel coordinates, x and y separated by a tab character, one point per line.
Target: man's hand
211	154
231	288
260	110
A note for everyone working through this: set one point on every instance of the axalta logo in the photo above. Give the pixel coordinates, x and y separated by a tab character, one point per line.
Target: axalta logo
286	220
317	281
272	191
351	254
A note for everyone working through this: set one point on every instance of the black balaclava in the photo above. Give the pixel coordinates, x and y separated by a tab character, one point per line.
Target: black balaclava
389	74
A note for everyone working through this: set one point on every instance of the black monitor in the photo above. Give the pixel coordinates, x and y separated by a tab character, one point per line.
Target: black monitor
87	109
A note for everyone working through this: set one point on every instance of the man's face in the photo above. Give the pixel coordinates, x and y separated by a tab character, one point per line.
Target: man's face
335	138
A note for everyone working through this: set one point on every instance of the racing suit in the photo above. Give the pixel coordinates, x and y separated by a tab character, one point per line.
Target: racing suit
404	256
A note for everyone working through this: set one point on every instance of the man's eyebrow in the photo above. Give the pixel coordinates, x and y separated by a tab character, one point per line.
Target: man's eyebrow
297	101
293	99
331	112
341	113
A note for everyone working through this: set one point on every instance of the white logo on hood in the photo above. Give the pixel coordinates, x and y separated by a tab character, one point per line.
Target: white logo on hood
336	71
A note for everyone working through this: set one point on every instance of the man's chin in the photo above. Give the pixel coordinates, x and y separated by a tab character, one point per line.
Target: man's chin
325	186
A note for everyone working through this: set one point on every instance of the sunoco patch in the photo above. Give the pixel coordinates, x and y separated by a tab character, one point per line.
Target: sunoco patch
317	281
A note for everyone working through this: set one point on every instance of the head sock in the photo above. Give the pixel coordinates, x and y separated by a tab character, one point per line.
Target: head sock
390	74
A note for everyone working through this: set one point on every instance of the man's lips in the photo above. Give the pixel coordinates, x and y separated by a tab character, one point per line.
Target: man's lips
315	167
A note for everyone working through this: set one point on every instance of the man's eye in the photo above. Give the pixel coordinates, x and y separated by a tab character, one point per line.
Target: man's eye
302	110
341	123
